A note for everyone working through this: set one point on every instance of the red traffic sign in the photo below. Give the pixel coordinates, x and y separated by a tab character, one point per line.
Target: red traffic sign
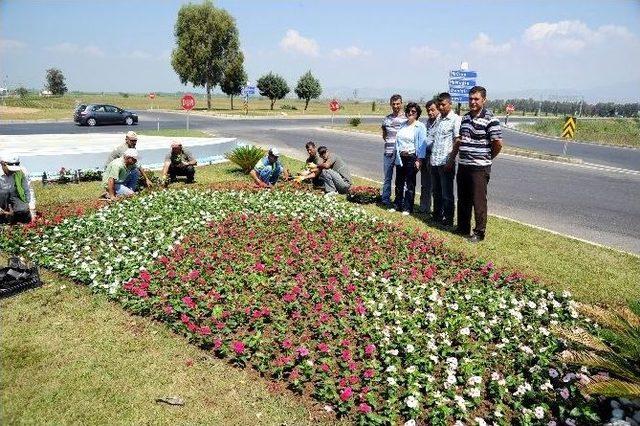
188	102
510	108
152	95
334	105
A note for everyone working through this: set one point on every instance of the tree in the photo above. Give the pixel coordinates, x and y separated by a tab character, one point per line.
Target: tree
234	77
55	82
207	40
273	86
308	88
22	92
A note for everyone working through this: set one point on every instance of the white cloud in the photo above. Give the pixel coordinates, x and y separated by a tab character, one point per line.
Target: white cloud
484	44
293	41
350	52
8	44
424	52
572	36
138	54
74	49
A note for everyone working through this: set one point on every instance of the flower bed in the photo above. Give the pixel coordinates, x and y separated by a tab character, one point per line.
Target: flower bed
377	323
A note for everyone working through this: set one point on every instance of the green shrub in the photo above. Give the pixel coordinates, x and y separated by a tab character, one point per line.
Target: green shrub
615	348
373	106
289	107
355	121
245	156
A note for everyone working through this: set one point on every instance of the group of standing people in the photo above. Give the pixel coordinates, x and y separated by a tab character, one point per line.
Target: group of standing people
433	148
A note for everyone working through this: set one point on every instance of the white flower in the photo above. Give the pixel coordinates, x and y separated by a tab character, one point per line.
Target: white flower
474	380
410	423
460	401
391	381
412	369
410	348
465	331
391	369
495	376
480	421
538	412
393	352
474	392
411	402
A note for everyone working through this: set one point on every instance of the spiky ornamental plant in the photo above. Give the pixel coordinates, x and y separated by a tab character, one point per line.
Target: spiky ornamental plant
245	156
615	349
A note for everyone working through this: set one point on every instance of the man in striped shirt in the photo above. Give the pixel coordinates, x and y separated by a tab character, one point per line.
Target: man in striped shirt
390	126
480	142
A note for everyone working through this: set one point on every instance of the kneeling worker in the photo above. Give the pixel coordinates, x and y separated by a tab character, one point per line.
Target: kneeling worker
120	175
334	173
268	169
130	141
17	199
179	162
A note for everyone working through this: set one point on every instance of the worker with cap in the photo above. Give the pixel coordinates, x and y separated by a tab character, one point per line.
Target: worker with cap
130	141
17	199
179	162
117	177
268	169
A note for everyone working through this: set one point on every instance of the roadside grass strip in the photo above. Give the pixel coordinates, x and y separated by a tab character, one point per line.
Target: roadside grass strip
377	323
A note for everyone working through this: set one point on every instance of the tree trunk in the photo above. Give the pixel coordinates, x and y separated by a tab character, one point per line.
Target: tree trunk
273	101
231	102
208	95
306	104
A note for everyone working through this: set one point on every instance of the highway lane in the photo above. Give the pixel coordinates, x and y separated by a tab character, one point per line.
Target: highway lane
624	158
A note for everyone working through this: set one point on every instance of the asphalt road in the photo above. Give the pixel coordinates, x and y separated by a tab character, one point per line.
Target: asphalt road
591	203
624	158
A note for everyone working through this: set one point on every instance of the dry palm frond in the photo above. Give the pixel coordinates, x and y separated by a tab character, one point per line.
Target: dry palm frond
610	362
611	387
629	316
603	317
581	337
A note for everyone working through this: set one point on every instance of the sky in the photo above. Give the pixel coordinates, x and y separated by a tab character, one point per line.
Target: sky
543	49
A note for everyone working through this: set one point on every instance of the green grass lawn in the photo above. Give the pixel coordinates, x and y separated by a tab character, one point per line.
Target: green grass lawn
69	356
620	132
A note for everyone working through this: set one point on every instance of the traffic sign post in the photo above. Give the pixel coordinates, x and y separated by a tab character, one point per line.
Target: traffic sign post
509	109
246	91
334	106
568	132
460	82
188	102
152	96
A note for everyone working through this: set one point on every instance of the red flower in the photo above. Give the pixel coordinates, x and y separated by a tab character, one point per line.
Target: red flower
337	297
184	318
353	380
325	368
217	344
346	355
369	350
193	275
238	347
364	408
189	302
295	374
145	276
351	288
323	347
205	331
346	394
289	297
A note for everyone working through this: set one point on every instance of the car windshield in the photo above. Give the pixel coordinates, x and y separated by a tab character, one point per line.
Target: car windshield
80	107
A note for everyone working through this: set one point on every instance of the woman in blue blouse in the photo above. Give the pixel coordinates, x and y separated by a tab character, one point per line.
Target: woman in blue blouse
410	152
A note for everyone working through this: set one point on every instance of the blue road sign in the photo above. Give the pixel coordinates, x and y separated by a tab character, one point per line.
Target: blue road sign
460	83
458	91
463	74
249	90
459	98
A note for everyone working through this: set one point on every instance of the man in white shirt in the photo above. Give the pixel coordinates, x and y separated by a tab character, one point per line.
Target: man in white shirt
390	126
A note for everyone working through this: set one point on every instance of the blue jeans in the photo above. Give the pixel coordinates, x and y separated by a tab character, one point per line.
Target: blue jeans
131	181
406	184
387	168
442	187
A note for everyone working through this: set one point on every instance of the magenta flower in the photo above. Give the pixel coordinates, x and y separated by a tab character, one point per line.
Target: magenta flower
369	373
189	302
302	351
259	267
346	394
369	350
564	393
238	347
323	347
205	331
364	408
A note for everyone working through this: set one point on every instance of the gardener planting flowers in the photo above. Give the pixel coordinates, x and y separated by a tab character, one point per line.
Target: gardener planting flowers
268	169
121	177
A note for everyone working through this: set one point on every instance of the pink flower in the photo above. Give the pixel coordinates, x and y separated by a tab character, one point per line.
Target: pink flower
325	368
193	275
192	327
289	297
259	267
145	276
217	344
351	288
337	297
205	331
168	309
369	350
353	380
295	374
323	347
346	394
564	393
360	309
238	347
352	366
346	355
364	408
286	344
184	318
189	302
369	373
302	351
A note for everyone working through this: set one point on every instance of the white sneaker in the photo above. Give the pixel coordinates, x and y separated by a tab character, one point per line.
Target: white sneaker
330	194
405	213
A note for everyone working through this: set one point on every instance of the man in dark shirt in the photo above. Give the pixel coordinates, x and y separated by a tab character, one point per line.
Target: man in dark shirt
179	162
479	143
334	173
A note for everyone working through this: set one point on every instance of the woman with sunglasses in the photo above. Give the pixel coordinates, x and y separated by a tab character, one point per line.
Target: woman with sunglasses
410	152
